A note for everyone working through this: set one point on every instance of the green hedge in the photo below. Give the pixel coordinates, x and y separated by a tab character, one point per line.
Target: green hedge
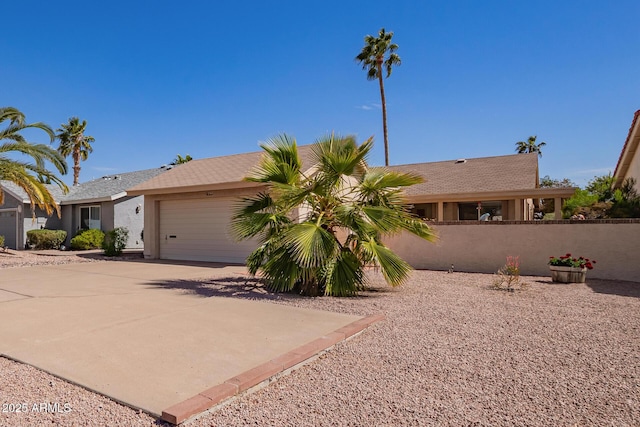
46	239
87	239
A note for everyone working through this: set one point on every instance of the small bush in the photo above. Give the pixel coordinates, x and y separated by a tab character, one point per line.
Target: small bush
2	241
46	239
508	276
115	241
87	239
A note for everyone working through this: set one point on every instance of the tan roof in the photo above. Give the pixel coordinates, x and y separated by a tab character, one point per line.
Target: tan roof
487	174
628	151
213	172
479	175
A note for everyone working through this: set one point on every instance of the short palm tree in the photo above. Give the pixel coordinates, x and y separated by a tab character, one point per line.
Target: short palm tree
530	146
318	231
30	176
379	52
74	143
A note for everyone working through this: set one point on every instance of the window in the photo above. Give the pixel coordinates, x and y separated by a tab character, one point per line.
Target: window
473	211
90	217
425	210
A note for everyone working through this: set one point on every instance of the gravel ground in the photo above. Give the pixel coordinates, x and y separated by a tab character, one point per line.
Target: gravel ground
452	351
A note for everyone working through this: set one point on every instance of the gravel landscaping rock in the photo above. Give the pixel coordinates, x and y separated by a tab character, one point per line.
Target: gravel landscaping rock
452	351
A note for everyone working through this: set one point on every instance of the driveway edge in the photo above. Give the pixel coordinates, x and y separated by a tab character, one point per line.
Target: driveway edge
264	373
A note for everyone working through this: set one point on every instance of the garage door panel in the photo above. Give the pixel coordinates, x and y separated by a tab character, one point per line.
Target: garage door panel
8	227
199	230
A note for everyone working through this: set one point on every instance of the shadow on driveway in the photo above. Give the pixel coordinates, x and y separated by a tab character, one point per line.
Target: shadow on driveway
231	287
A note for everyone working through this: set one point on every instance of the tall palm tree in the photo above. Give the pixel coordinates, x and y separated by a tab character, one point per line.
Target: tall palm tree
373	60
530	146
74	142
317	232
29	175
180	160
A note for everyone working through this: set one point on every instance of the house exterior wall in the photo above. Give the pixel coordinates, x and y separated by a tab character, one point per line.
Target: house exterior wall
129	212
451	211
483	246
35	218
634	171
67	222
106	216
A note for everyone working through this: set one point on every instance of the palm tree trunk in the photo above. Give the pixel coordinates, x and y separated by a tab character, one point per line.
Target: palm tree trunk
76	165
384	114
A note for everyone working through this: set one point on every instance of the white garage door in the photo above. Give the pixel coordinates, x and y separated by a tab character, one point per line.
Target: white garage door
199	230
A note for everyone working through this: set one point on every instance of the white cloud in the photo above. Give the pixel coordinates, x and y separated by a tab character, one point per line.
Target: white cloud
368	107
592	172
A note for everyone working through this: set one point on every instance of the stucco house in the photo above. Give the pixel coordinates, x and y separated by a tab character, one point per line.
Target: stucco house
102	203
498	188
188	209
17	216
629	163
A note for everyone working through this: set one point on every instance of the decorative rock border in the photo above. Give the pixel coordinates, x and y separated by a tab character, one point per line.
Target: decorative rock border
213	396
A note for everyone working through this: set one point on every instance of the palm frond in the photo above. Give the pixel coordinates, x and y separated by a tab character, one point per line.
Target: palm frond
343	275
279	164
311	245
394	269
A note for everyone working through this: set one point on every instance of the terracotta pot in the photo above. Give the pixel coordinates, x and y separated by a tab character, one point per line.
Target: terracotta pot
568	274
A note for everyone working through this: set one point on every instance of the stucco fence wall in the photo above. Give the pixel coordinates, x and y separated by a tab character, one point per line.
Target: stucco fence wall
483	246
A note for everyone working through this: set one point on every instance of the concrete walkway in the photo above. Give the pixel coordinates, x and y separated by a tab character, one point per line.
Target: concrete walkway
130	331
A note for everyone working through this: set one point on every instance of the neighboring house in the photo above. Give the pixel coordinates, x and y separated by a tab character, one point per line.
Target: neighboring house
102	203
498	188
629	163
188	209
17	216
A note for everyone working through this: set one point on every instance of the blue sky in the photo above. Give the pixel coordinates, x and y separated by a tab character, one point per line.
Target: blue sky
157	78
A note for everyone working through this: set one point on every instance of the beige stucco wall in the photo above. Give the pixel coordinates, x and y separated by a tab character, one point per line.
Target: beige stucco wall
483	247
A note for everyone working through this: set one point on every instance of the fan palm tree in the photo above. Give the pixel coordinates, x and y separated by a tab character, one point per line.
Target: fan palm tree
530	146
73	142
379	52
29	176
317	232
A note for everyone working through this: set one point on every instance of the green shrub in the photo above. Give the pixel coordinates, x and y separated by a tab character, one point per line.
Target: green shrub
46	239
87	239
1	241
115	241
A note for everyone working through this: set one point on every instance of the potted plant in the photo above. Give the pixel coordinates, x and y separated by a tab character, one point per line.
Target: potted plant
567	269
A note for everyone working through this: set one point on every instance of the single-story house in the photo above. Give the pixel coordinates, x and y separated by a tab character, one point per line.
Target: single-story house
629	163
498	188
188	209
17	216
102	203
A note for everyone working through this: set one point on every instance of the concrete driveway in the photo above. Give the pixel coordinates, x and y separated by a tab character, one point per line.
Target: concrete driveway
130	331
